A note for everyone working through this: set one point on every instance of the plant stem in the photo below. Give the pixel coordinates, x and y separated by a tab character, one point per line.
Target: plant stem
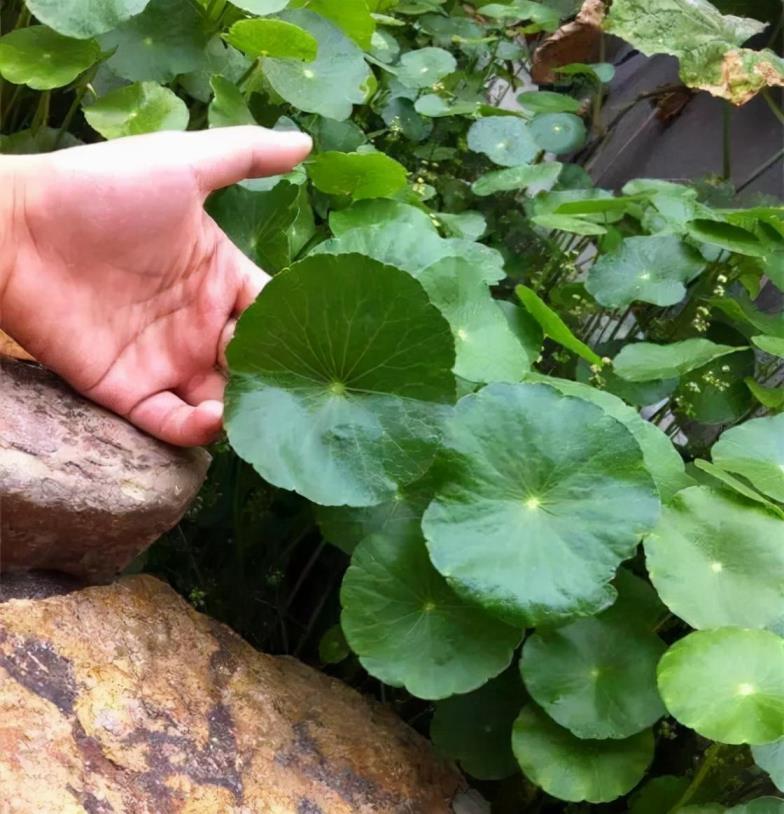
248	73
81	92
762	169
634	136
708	761
773	105
727	142
41	116
598	99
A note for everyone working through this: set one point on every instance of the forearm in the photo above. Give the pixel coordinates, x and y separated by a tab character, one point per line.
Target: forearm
10	194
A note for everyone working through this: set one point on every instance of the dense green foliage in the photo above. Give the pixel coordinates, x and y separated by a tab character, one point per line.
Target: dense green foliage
503	447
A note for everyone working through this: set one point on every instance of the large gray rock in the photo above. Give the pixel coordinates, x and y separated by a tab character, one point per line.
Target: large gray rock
81	490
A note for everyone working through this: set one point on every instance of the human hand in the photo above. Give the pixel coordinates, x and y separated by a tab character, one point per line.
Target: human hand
113	275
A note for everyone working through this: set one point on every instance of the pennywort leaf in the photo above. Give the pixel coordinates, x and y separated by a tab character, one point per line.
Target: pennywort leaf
331	84
727	684
144	107
272	38
513	506
411	630
505	140
358	175
595	677
569	768
42	59
84	18
717	560
652	269
341	376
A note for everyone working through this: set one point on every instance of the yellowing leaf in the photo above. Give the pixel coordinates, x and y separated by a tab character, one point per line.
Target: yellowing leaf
706	42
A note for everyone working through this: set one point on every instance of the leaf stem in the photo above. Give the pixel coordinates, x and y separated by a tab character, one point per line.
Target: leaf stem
727	141
761	170
708	762
248	74
773	105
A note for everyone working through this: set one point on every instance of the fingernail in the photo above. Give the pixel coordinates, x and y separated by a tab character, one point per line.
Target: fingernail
212	410
304	138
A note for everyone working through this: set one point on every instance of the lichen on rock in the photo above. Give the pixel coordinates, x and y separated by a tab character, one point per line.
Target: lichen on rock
124	700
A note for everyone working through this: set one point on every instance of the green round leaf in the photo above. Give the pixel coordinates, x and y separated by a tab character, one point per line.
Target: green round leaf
520	502
330	85
272	38
770	758
42	59
422	68
410	629
652	269
521	177
726	684
718	560
340	376
476	729
486	349
505	140
144	107
595	677
352	17
258	223
572	769
542	101
358	175
662	460
558	132
646	361
84	18
167	39
755	450
380	213
408	244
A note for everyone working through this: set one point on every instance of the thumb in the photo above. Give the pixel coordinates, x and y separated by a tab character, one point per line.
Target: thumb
226	155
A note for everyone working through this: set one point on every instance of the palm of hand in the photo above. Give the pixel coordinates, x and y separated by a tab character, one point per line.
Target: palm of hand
124	285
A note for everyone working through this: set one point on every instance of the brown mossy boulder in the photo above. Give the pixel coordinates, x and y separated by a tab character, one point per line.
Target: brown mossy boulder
122	699
82	491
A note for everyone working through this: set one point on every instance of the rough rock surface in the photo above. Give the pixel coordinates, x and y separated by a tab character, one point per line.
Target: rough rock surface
123	700
81	490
